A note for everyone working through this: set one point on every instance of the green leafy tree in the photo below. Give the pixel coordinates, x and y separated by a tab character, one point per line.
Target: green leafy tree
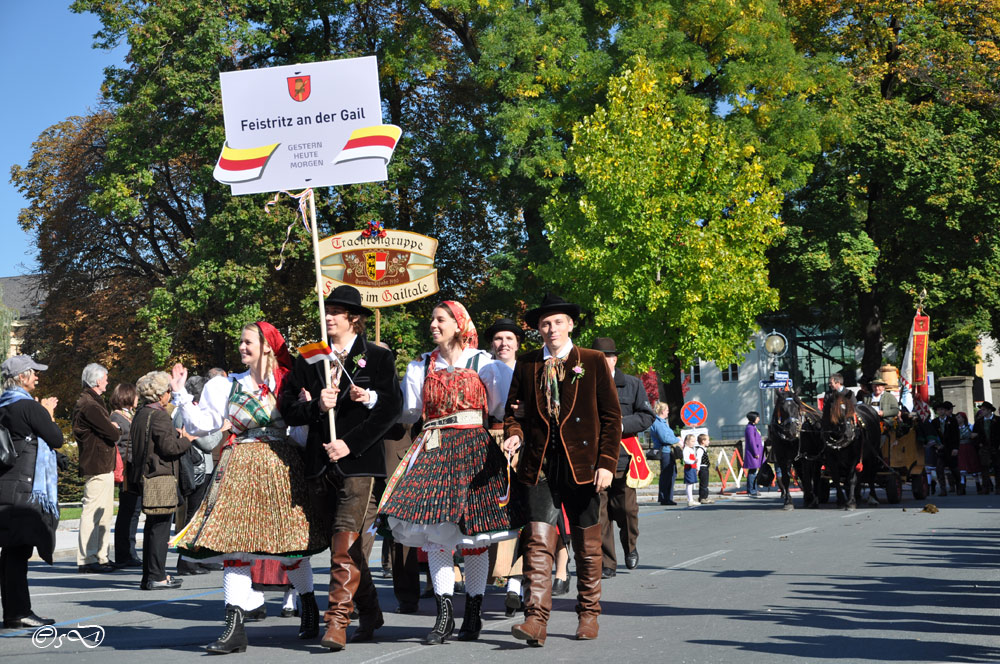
907	200
665	244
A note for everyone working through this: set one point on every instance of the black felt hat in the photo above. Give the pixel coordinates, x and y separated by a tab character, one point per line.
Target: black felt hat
988	406
503	325
605	344
945	404
348	297
552	304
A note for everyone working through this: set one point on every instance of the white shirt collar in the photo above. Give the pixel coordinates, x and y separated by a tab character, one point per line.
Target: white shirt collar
563	354
349	345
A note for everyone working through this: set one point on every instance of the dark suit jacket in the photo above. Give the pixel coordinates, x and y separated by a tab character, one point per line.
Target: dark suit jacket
590	418
994	441
637	414
361	428
96	435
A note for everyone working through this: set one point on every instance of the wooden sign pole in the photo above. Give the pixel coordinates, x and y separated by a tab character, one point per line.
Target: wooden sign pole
322	305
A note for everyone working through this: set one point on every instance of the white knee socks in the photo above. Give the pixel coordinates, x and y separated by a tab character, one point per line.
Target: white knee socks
302	576
477	568
442	570
238	588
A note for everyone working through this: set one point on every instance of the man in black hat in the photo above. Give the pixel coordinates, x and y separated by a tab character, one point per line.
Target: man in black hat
946	427
563	415
882	401
986	436
364	391
619	503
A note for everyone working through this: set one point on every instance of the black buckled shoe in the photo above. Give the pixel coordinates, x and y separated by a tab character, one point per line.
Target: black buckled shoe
166	584
560	587
29	621
608	573
95	568
512	604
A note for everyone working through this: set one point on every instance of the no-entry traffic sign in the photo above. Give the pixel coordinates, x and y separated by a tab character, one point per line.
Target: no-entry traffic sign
694	413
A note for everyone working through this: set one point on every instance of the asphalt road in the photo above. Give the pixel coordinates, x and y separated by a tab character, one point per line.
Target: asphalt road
738	581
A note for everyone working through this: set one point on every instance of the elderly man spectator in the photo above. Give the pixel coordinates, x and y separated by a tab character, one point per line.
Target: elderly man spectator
97	436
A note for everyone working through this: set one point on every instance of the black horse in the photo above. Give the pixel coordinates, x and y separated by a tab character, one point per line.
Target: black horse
850	433
793	434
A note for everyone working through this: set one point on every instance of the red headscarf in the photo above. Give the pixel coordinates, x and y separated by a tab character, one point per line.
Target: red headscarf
466	329
280	350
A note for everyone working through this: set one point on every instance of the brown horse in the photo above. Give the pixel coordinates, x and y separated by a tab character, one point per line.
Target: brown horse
791	434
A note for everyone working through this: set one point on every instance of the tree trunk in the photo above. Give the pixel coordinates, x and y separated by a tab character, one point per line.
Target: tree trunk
870	315
672	393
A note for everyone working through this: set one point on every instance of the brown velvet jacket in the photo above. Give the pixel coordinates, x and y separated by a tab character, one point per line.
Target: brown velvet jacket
590	417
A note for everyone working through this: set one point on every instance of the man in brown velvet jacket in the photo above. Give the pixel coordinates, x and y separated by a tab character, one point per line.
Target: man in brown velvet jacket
563	414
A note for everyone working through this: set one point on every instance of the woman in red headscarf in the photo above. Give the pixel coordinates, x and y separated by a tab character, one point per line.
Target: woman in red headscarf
452	490
258	505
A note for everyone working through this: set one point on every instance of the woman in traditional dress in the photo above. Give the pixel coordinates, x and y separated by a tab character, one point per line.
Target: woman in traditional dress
258	505
452	489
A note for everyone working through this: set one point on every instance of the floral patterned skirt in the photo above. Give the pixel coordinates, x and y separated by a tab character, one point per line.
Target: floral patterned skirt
257	506
455	494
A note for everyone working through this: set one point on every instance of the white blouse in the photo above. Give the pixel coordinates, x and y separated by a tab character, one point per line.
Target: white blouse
489	373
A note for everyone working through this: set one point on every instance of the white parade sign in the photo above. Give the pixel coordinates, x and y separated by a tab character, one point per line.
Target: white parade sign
310	125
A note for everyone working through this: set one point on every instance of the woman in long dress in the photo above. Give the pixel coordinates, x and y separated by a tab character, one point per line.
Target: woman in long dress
258	505
452	489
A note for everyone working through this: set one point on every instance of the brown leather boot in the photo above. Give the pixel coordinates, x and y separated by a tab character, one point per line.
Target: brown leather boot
588	556
365	598
539	549
344	580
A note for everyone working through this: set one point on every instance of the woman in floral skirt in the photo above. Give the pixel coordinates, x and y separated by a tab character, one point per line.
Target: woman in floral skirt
258	505
452	489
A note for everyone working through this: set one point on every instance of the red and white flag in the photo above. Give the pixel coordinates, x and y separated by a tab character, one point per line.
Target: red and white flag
316	352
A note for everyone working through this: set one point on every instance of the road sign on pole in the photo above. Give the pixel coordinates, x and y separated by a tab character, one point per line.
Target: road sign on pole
694	413
775	384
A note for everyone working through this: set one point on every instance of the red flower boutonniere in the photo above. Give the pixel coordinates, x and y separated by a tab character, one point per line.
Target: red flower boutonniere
578	373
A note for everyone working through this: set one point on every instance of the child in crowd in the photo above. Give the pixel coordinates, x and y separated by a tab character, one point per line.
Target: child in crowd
704	464
690	459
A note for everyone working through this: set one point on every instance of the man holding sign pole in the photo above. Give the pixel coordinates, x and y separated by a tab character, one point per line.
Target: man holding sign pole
365	396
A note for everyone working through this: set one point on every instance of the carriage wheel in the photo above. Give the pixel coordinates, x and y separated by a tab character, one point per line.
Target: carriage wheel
919	485
823	491
894	488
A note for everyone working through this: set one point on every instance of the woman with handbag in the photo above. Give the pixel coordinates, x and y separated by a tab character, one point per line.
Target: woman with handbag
29	507
156	450
258	505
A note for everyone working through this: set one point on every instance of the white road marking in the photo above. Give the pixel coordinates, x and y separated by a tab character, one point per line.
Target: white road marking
850	514
83	592
795	532
688	563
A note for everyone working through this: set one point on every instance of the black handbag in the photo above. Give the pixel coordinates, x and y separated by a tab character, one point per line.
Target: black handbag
765	475
8	453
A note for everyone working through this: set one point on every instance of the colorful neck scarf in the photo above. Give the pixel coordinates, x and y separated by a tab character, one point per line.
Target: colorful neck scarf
466	328
553	372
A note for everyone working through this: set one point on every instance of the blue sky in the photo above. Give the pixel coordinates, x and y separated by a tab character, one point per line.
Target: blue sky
40	40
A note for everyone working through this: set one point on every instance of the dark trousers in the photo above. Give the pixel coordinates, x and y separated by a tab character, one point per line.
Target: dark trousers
668	474
155	537
703	483
192	502
126	524
545	501
353	504
14	581
618	506
405	575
